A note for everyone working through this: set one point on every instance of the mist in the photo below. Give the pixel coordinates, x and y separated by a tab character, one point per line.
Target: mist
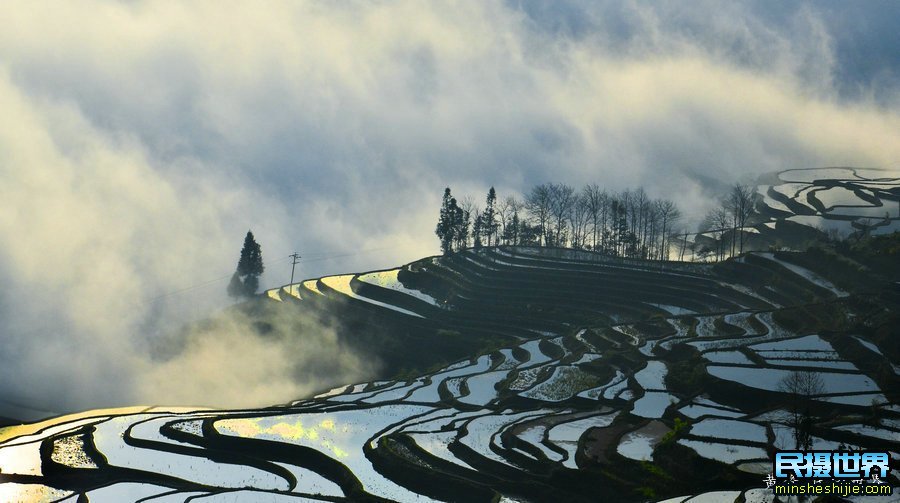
141	140
251	356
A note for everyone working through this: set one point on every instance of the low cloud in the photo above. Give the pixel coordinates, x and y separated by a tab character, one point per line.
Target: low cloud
140	140
251	359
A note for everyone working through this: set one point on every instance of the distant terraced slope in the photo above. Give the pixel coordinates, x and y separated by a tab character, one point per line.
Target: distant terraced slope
847	199
600	365
797	205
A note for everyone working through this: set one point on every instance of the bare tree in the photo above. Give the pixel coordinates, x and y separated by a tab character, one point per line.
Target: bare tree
641	210
625	221
580	218
669	215
597	203
505	210
537	202
651	246
618	232
740	206
681	235
467	211
716	223
562	199
802	386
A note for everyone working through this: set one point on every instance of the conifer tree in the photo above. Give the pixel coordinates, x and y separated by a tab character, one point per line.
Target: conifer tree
251	257
251	285
477	231
489	224
511	231
245	281
235	286
445	225
460	219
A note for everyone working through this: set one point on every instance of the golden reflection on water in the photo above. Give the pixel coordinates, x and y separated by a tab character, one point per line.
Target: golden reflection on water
12	432
30	493
294	432
311	285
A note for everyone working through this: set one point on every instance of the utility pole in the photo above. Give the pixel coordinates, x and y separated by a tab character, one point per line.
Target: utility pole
296	259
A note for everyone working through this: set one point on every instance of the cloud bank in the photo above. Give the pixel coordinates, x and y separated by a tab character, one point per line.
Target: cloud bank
140	140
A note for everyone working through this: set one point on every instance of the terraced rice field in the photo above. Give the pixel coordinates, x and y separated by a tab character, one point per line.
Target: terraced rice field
846	199
568	415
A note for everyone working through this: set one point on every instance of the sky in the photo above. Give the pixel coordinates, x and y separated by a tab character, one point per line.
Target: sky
140	140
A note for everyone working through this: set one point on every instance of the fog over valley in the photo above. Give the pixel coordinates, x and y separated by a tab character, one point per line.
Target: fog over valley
140	140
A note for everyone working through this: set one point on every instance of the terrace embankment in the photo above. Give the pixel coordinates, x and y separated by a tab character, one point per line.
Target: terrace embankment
522	373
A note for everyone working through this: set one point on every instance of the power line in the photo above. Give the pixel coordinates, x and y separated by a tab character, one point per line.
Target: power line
332	257
295	261
296	258
192	287
205	283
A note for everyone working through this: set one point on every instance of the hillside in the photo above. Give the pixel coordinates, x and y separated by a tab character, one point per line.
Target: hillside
539	374
524	374
633	251
798	206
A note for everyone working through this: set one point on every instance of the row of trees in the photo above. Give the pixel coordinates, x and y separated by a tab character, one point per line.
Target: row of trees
627	223
726	222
